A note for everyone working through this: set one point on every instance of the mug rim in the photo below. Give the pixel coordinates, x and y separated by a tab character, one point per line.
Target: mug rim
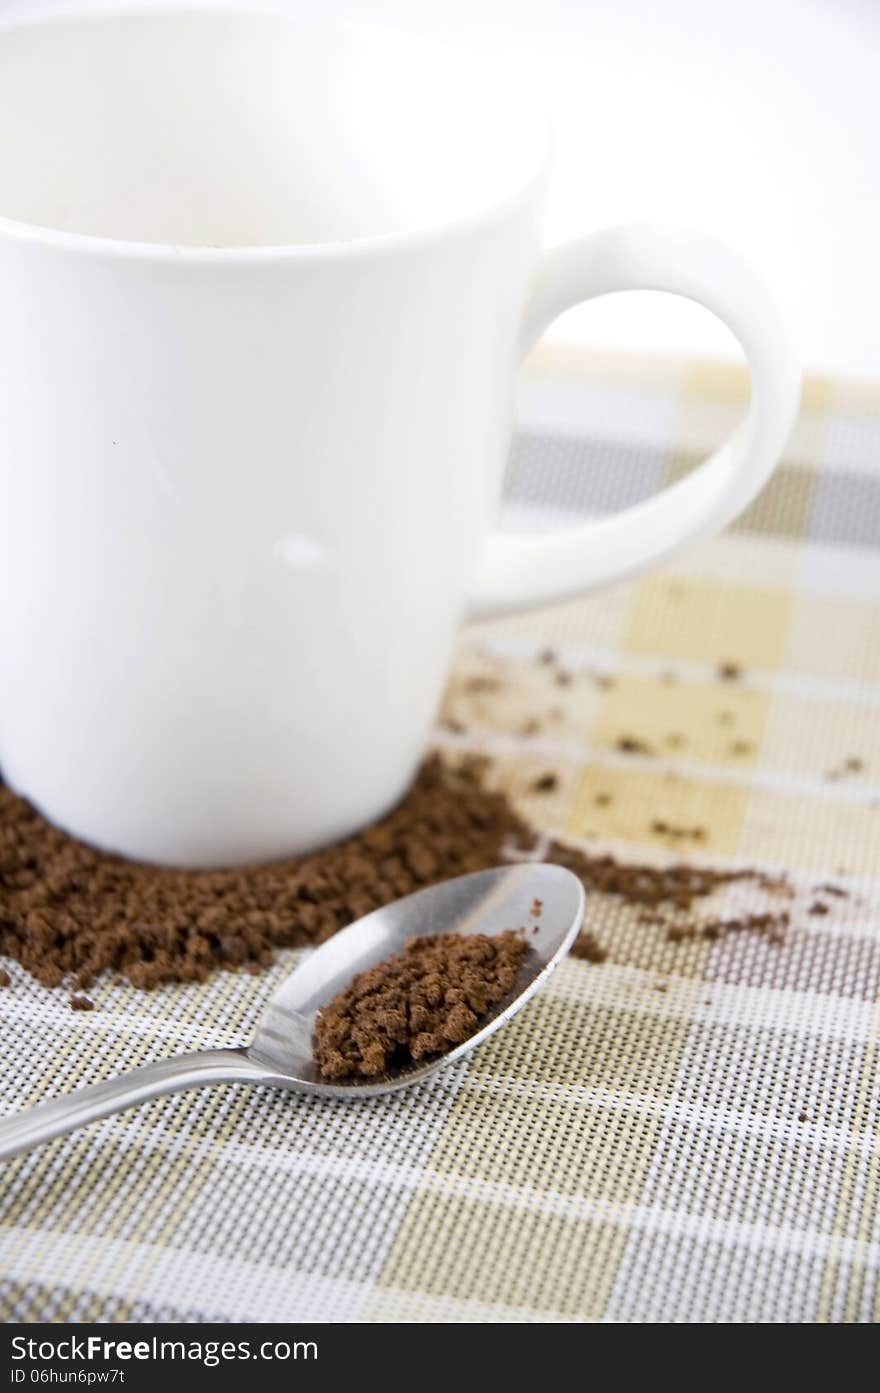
481	217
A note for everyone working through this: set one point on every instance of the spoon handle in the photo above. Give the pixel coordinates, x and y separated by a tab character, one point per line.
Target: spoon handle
53	1118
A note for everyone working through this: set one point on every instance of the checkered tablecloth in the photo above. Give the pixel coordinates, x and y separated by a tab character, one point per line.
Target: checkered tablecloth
707	1150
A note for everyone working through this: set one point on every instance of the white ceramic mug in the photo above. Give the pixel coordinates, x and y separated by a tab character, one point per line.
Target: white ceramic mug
264	286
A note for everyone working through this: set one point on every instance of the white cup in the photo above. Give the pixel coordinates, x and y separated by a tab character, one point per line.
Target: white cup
264	286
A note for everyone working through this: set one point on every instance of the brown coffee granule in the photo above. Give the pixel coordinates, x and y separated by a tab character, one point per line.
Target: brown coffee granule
853	764
741	747
546	657
588	947
632	745
675	833
729	672
530	727
545	783
482	683
451	724
5	979
819	908
81	1003
777	885
563	678
416	1004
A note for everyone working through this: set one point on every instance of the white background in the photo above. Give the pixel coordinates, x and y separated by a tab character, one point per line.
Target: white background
755	119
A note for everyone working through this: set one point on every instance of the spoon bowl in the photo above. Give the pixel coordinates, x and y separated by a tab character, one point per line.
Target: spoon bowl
546	901
487	902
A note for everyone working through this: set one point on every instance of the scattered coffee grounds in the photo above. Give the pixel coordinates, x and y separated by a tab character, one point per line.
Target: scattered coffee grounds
69	913
836	890
5	979
677	886
603	800
537	908
548	657
588	947
769	926
81	1003
631	745
665	893
819	908
851	765
729	672
530	727
545	783
417	1003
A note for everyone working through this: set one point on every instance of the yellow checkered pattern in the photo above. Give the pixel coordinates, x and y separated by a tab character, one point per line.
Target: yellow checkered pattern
688	1131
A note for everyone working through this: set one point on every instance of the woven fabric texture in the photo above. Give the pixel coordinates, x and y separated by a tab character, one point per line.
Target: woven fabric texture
686	1131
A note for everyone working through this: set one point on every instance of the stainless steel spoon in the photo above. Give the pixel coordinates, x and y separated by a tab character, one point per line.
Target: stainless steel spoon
280	1053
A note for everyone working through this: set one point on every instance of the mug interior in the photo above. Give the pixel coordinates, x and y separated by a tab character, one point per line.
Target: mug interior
226	129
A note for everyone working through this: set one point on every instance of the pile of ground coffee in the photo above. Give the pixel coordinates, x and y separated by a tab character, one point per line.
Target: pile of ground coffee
417	1003
69	912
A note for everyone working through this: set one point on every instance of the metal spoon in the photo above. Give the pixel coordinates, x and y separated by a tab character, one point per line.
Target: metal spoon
280	1053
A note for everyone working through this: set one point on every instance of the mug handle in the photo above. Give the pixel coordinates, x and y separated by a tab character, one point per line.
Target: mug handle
518	571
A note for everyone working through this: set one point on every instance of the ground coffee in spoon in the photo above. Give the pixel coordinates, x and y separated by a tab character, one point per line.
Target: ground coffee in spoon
416	1004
